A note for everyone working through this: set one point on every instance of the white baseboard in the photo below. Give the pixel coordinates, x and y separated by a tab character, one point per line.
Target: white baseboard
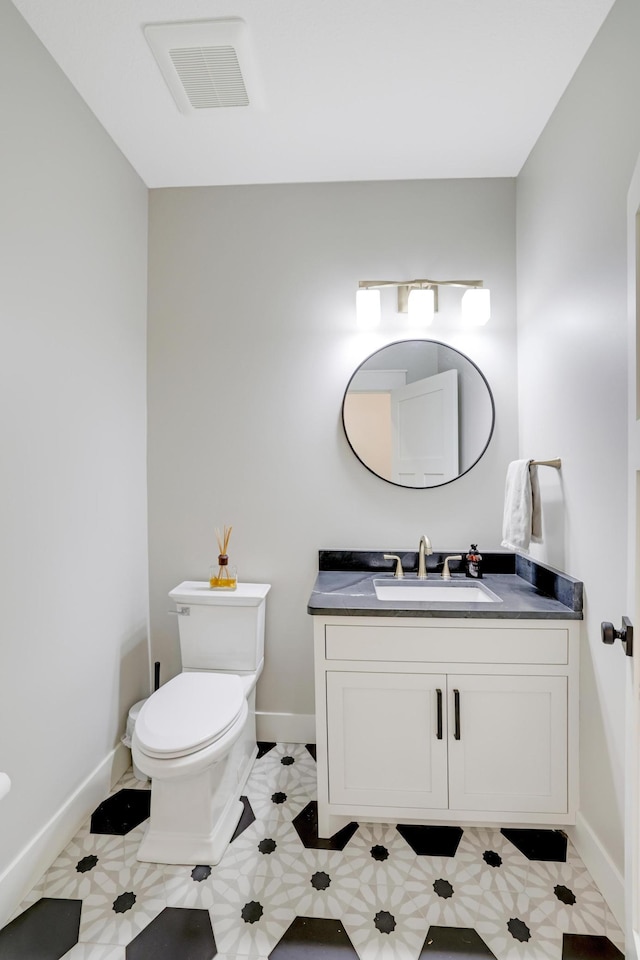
608	878
38	855
286	727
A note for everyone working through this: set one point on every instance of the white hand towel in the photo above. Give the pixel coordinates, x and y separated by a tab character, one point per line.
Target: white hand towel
522	522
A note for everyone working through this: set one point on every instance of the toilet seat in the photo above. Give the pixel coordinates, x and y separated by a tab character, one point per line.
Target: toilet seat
189	713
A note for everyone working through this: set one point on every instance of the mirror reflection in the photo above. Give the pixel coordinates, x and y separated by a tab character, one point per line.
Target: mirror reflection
418	413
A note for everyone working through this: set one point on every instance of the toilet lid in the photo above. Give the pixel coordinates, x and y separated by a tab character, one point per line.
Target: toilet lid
188	713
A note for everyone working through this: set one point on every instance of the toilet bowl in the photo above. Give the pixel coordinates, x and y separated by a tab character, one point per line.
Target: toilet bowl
195	737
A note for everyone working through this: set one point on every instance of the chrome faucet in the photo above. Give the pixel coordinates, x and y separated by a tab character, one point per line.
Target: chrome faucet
424	549
399	574
446	573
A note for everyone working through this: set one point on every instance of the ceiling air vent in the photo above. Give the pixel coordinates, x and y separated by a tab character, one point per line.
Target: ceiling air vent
205	63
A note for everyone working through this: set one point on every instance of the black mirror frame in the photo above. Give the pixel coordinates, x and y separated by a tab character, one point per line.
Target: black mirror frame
437	343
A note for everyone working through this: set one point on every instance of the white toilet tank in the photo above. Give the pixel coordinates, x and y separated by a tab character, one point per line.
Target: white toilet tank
221	629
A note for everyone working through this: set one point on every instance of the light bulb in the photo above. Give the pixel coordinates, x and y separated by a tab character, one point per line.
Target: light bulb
421	306
367	308
476	306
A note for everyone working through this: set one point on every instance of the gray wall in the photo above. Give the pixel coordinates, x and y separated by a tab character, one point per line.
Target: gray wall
572	340
252	340
73	575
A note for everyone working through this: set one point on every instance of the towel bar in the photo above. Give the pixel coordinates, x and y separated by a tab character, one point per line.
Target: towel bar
557	463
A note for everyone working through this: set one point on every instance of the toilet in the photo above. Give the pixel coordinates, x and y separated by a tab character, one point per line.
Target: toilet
195	737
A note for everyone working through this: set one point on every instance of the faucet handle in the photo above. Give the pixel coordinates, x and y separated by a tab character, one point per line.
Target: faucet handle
446	573
399	574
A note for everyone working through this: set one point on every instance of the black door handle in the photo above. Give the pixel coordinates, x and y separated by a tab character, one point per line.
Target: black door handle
610	634
456	713
439	715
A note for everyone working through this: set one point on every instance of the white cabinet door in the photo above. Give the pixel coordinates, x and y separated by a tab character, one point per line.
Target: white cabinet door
507	743
387	739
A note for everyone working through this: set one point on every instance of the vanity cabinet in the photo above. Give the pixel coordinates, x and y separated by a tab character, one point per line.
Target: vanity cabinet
446	720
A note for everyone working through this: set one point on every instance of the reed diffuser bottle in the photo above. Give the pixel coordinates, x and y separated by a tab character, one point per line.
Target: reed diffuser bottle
224	576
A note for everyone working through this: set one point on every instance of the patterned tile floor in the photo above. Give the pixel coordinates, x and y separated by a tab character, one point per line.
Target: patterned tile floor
374	891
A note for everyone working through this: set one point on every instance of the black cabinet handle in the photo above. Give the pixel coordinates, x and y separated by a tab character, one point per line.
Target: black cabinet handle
439	715
456	714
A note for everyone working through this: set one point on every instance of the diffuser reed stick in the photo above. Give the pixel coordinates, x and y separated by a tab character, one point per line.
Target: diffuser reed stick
226	577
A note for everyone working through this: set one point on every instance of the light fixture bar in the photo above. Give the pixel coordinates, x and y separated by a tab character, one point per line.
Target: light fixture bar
366	284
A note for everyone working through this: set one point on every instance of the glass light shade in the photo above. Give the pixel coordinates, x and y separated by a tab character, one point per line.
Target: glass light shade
476	306
367	308
421	307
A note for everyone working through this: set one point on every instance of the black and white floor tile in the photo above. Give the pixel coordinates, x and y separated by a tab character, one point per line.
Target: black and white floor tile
373	891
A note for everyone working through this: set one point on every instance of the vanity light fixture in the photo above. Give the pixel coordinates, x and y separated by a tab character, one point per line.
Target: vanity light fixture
419	300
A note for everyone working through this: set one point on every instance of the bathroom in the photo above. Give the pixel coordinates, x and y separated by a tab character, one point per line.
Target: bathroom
236	378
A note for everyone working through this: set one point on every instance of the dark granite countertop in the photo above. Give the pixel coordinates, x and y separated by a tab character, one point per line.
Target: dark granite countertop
527	590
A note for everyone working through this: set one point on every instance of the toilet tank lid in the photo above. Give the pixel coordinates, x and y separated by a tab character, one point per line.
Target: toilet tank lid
199	591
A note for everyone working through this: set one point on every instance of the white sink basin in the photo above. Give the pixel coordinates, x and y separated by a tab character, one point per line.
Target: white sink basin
434	591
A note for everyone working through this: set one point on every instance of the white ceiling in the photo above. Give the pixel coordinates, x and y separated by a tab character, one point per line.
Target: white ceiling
348	89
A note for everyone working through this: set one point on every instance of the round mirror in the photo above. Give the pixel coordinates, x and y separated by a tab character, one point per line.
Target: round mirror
418	413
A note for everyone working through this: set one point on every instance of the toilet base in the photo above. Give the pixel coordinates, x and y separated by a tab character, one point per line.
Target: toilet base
166	847
194	817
